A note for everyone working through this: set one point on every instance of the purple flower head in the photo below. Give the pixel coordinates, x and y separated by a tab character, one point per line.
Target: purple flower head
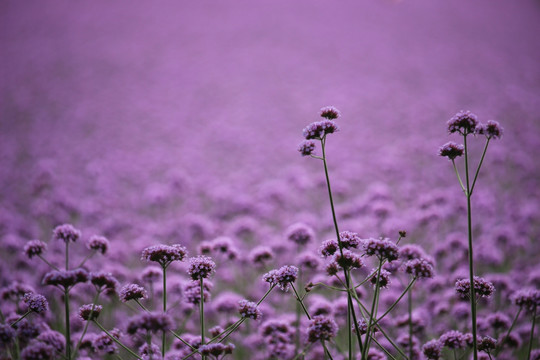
328	248
192	292
249	310
261	255
321	328
419	268
319	129
330	113
90	311
38	350
104	344
382	248
498	321
132	292
98	243
54	339
65	279
67	233
487	344
463	122
201	267
34	248
451	150
104	281
349	240
306	147
36	303
432	349
149	351
282	277
384	279
152	322
215	350
15	291
491	129
332	268
164	254
482	287
308	260
527	298
411	251
300	234
453	340
349	260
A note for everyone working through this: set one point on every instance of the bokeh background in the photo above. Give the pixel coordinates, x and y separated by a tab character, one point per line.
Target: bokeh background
178	121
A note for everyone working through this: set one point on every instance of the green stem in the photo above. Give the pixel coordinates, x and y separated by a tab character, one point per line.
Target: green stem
397	301
372	313
501	344
163	339
301	302
94	301
410	326
459	177
86	258
68	326
48	263
471	264
116	340
67	255
480	165
201	303
22	317
350	308
532	334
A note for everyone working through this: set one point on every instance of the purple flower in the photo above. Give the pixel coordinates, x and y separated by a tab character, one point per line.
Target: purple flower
152	322
330	113
34	248
67	233
104	344
487	344
349	260
149	351
54	339
151	274
432	349
132	292
463	122
104	281
90	311
300	234
527	298
453	339
36	303
384	279
451	150
492	130
201	267
98	243
249	310
306	147
419	268
261	255
65	279
192	292
382	248
283	277
321	328
38	350
349	240
7	334
482	287
319	129
164	254
328	248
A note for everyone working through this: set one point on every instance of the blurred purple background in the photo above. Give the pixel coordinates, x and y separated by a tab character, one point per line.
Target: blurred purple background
108	102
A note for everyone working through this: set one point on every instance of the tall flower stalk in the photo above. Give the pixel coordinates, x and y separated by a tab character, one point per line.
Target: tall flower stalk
466	123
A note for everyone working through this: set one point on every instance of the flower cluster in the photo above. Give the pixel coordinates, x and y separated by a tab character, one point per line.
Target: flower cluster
451	150
249	310
201	267
463	122
66	233
36	303
90	312
282	277
482	287
382	248
35	248
321	328
132	292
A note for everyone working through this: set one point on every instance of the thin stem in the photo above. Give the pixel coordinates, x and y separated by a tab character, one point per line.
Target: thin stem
201	303
163	340
116	340
397	301
68	326
22	317
300	355
372	313
94	301
67	255
141	305
301	302
350	308
382	348
532	334
48	263
501	344
182	340
471	264
480	164
459	177
410	326
86	258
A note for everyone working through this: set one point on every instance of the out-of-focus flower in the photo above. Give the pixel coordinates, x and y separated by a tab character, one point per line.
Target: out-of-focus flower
34	248
66	233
